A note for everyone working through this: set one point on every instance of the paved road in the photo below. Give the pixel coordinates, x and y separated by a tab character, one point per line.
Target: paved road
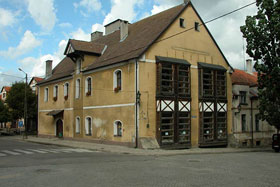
88	168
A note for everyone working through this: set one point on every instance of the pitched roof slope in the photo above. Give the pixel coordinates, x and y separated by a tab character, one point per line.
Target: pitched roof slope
64	69
87	47
141	36
240	77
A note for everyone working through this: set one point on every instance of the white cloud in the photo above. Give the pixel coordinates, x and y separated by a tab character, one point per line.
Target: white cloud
162	5
7	18
37	66
89	5
117	11
80	35
43	13
98	27
27	43
65	25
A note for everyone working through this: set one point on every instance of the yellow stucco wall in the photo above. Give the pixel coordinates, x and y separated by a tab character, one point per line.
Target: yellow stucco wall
194	47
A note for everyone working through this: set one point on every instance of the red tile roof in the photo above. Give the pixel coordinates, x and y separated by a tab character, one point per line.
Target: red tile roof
243	78
38	79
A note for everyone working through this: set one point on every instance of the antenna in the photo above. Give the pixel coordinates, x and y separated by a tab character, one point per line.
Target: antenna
244	54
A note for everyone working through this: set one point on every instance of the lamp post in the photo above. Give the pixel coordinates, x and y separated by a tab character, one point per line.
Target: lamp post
25	103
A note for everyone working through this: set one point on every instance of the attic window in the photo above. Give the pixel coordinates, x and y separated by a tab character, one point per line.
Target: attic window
182	23
196	26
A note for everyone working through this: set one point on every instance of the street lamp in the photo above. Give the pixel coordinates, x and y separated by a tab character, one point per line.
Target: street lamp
25	103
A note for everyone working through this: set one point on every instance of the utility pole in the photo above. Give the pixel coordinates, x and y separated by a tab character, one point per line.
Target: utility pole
25	103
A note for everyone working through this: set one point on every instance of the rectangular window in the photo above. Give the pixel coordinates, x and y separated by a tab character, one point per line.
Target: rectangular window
220	83
243	122
196	26
242	97
257	122
182	23
46	95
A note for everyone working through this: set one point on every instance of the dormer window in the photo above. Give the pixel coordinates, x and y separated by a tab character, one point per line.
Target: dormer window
182	23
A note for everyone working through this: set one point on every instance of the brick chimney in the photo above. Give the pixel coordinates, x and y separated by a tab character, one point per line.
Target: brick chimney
48	68
95	35
249	66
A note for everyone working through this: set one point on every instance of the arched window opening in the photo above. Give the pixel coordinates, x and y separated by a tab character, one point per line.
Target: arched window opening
118	128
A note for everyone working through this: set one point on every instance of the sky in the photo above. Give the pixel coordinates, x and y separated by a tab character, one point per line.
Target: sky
33	31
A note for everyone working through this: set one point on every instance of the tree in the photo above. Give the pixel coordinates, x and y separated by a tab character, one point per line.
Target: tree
262	33
4	113
15	101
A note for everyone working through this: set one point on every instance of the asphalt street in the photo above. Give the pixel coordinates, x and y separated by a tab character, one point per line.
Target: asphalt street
34	165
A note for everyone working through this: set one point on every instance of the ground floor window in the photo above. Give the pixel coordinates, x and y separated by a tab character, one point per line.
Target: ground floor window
78	122
88	126
118	128
243	122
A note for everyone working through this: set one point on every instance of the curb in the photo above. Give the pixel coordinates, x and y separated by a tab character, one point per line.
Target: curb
159	152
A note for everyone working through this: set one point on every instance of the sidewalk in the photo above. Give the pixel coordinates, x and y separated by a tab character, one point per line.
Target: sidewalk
133	151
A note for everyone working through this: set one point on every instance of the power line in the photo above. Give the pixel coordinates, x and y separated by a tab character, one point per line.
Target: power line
4	74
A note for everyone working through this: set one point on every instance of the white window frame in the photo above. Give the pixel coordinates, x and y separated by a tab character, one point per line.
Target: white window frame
66	89
77	88
115	79
78	125
115	126
86	85
87	130
46	94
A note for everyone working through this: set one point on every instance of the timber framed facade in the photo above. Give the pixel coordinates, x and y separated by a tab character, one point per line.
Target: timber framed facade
141	85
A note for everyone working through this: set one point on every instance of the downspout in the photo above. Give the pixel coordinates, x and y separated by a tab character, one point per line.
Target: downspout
252	126
136	103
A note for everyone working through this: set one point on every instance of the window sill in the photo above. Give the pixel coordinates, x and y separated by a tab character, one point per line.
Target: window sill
245	104
117	136
88	134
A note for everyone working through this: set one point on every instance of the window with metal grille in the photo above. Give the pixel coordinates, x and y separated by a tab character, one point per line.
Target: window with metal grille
183	80
207	82
220	83
167	84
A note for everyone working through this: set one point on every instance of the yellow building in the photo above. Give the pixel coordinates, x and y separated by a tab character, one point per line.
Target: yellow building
160	82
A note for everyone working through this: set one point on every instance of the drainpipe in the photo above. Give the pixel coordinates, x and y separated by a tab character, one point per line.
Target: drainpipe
252	126
136	103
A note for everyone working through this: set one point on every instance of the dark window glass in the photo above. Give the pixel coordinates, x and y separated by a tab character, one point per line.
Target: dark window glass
119	79
243	122
242	97
196	26
182	23
257	122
